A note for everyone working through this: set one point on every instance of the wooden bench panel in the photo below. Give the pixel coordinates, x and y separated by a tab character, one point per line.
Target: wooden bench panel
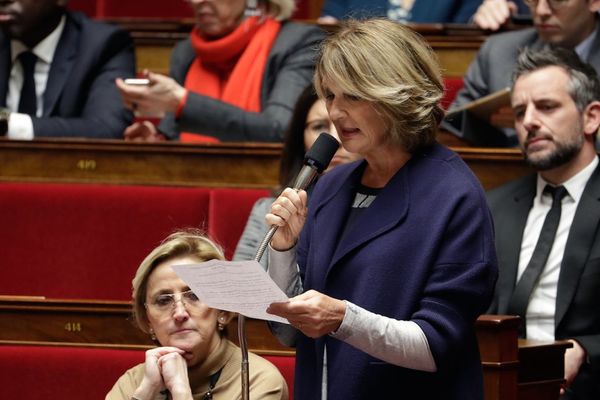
233	165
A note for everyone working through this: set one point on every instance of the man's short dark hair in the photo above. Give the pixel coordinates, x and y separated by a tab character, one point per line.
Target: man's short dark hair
584	86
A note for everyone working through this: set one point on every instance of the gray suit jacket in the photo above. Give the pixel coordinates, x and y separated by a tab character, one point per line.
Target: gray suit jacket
81	98
288	71
493	66
577	303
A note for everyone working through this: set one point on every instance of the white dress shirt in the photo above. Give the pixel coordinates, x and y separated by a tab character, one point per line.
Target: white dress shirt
20	126
542	303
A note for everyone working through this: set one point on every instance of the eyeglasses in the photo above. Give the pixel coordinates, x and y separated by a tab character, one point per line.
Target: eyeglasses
165	303
553	4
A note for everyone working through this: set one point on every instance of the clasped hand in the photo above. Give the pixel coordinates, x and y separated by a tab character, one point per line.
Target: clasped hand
165	368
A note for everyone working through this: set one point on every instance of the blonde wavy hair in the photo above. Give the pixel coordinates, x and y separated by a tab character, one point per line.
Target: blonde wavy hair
281	9
186	243
392	67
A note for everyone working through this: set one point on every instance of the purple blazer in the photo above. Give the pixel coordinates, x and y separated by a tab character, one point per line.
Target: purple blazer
423	251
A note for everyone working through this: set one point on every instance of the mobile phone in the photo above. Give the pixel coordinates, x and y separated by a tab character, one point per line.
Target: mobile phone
521	19
137	81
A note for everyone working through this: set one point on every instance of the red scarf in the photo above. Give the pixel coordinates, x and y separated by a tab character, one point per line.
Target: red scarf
231	68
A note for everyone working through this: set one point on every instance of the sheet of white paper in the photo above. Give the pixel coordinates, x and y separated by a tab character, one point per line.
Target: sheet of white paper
239	286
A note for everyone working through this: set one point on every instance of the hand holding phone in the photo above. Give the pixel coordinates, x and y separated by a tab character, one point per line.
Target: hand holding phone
137	81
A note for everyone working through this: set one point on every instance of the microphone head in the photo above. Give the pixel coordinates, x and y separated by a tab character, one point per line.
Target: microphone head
321	152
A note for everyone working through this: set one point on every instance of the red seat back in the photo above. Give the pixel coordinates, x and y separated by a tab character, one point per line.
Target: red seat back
44	372
228	214
286	365
86	241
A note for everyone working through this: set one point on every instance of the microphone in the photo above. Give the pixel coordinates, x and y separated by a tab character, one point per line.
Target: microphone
316	160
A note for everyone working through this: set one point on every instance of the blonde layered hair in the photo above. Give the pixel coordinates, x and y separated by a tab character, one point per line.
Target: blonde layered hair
281	9
390	66
188	243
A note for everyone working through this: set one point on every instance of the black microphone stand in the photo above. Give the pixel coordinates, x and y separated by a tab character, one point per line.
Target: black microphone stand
316	160
242	322
304	180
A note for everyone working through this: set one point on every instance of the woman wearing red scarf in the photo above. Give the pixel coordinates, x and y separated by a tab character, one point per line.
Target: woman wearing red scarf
236	78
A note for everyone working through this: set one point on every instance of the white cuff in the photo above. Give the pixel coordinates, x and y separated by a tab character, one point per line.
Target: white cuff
20	127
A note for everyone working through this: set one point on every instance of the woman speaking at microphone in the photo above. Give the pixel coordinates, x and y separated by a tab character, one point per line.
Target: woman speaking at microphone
394	253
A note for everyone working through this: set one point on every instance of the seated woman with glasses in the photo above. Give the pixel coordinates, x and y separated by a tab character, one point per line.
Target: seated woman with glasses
194	359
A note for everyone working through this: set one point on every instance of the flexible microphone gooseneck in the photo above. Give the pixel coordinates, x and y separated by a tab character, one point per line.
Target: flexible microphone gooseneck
316	160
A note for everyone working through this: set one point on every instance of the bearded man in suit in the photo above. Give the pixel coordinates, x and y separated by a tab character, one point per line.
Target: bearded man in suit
555	100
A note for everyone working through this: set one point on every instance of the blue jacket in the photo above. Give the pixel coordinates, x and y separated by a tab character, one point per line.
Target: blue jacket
424	11
423	251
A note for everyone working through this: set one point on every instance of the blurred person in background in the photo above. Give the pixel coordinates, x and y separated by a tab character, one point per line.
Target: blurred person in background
572	24
236	78
57	72
417	11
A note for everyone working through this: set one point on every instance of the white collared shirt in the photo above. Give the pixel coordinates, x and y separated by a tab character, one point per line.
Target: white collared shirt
20	125
542	304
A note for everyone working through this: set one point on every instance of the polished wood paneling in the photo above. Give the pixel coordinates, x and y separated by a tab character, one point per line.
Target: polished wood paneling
513	369
243	165
493	166
541	370
37	320
248	165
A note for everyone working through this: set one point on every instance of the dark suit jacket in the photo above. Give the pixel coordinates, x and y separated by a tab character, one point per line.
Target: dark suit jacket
424	11
577	303
422	251
81	98
288	72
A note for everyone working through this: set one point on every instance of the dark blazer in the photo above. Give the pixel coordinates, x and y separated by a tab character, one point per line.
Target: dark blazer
288	72
81	98
424	11
423	251
577	303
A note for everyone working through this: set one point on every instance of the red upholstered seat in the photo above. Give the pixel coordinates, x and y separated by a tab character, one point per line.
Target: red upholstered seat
228	213
63	372
452	85
86	241
286	365
44	372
